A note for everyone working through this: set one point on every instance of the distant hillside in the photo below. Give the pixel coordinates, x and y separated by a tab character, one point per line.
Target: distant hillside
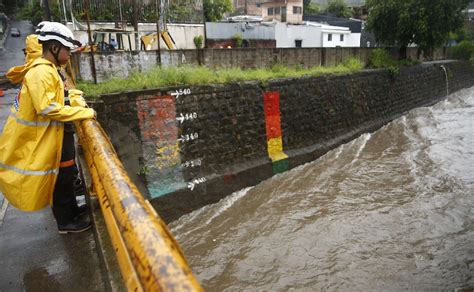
350	3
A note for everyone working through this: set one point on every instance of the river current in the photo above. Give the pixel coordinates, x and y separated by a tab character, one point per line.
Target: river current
391	210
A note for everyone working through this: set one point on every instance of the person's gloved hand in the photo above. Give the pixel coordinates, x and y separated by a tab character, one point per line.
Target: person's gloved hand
76	98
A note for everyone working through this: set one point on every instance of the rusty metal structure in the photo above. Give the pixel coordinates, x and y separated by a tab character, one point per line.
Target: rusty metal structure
150	259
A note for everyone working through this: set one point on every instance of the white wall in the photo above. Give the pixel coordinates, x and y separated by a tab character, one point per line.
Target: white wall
353	40
251	31
350	40
286	35
336	32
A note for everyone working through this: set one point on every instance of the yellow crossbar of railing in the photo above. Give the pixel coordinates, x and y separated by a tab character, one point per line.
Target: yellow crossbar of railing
150	259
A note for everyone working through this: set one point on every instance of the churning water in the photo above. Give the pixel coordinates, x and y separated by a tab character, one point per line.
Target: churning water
391	210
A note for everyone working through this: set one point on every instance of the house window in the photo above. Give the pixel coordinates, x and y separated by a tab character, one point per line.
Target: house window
298	43
296	10
341	38
329	37
277	10
270	11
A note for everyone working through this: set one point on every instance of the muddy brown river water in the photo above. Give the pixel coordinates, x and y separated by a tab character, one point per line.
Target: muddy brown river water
391	210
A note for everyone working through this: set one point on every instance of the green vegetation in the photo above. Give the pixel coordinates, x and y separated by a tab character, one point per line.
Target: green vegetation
35	13
238	40
380	58
464	50
192	75
198	41
214	10
310	8
339	8
185	11
424	23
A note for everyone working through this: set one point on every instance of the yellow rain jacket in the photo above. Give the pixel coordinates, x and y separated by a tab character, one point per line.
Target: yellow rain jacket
31	143
33	51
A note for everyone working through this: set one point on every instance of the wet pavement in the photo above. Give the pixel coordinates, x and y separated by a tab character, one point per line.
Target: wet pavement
33	256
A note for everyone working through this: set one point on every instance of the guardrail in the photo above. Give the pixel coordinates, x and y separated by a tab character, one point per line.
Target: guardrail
150	259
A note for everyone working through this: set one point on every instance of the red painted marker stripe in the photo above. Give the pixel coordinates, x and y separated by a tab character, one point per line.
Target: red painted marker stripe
271	101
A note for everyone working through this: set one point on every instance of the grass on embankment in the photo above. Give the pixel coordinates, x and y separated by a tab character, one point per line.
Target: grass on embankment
194	75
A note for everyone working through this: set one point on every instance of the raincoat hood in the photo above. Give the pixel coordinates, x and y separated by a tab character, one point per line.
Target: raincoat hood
33	48
33	51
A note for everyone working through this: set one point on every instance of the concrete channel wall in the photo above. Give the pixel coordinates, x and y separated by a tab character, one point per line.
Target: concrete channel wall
123	63
187	147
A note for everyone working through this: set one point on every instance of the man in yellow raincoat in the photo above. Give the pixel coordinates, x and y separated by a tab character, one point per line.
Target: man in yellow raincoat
35	169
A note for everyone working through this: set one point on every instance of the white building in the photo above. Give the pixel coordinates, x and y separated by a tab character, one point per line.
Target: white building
338	36
306	35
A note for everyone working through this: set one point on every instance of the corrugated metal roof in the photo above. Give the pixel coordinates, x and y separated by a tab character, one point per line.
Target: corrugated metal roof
354	25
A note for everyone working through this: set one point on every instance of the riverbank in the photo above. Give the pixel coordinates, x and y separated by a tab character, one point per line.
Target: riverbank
186	147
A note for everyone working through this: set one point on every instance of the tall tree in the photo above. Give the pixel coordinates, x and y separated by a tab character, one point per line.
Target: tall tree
214	10
310	8
426	23
338	8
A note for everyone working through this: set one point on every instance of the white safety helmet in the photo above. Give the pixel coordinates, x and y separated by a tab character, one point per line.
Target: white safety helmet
40	26
58	32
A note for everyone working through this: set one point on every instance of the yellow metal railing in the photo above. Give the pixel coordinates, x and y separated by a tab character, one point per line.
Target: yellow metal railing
150	259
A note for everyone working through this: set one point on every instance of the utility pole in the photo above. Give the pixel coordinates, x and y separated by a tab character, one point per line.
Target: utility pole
135	23
65	13
91	45
158	33
124	25
46	10
204	22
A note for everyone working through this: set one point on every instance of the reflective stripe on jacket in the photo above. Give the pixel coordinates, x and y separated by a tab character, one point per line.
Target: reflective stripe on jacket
31	142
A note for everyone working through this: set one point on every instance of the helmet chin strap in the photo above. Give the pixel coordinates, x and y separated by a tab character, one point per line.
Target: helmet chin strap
56	55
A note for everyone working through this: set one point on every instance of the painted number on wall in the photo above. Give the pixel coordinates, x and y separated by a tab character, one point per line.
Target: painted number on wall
186	117
192	163
188	137
180	92
192	184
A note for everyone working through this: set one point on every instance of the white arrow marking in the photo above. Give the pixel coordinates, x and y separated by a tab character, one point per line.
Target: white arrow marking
181	118
176	93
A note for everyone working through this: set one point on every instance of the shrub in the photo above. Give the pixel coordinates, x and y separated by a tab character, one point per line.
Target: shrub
353	64
198	41
238	40
380	58
464	50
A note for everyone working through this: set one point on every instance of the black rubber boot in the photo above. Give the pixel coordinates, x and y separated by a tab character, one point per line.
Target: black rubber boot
74	227
80	211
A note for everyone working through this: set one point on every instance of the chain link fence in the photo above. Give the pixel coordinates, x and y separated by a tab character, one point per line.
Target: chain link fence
121	11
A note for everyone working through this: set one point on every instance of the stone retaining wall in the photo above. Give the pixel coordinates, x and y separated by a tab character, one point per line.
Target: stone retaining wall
191	146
